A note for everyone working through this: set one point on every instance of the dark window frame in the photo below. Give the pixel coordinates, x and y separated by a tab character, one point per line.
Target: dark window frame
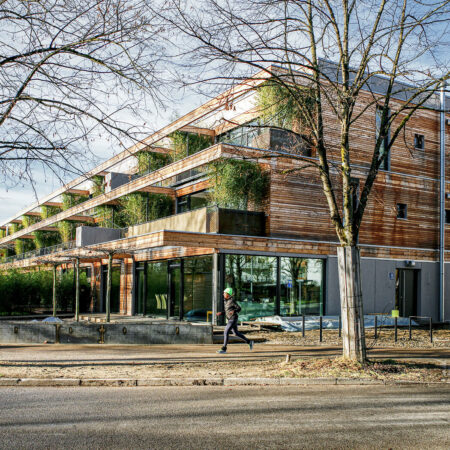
419	141
402	211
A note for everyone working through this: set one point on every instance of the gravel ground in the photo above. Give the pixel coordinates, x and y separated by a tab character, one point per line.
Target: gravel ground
420	338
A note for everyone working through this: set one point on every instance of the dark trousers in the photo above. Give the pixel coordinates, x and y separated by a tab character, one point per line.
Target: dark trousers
232	326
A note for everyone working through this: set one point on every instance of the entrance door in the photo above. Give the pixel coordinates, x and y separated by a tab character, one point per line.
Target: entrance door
175	310
406	292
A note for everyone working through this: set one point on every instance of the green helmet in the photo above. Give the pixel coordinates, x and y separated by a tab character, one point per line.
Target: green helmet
228	291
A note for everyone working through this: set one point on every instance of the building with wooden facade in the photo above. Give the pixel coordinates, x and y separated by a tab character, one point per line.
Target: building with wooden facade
280	256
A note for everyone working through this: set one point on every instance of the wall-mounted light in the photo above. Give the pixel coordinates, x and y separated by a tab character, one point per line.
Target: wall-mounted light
410	263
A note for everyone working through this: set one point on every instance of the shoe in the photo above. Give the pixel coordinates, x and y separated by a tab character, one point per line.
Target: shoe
250	344
221	351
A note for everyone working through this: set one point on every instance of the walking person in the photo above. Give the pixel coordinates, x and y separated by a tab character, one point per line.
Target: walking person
231	310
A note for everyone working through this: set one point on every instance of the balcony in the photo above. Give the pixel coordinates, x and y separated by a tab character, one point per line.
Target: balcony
207	220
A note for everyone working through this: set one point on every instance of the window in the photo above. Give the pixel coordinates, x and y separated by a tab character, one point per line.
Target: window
447	216
266	284
419	141
402	211
384	144
254	279
301	286
192	201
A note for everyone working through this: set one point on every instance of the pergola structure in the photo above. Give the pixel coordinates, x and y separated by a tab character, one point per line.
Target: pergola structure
84	255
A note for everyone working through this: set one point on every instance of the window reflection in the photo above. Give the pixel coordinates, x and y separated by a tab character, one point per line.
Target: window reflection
254	279
301	290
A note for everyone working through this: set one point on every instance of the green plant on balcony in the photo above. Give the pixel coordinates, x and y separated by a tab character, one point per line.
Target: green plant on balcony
238	184
185	144
151	161
140	207
105	216
66	228
98	185
285	107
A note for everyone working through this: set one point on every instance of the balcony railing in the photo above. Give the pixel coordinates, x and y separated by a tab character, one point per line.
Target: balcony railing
40	252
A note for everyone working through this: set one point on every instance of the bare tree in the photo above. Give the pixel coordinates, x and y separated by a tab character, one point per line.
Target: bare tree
393	50
72	72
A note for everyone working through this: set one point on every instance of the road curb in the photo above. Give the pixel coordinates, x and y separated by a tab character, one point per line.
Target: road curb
254	381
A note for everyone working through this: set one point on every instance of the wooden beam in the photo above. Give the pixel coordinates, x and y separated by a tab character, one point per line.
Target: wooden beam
49	229
77	192
198	130
54	204
152	149
16	221
32	213
27	236
77	218
158	190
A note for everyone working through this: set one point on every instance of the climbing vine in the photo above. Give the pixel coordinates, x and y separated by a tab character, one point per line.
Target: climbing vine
289	108
140	207
238	184
151	161
185	144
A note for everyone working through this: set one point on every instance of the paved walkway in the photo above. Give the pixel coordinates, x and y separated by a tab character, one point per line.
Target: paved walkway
126	354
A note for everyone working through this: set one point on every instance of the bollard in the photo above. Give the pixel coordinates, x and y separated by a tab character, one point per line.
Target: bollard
410	330
376	323
288	358
395	329
431	330
320	329
340	326
303	325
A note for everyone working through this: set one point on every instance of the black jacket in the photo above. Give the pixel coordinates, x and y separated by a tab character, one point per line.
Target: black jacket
231	308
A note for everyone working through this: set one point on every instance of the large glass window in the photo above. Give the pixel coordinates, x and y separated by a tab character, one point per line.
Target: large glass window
242	135
301	286
198	289
254	279
156	303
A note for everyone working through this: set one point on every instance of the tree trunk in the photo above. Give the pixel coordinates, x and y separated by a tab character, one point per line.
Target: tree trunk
77	290
108	288
353	338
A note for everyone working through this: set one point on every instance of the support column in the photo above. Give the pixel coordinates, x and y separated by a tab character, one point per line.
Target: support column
108	288
54	291
77	289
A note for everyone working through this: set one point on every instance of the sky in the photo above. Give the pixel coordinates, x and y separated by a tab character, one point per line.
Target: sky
18	197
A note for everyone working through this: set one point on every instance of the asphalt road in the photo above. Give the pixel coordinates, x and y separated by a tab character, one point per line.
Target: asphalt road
225	418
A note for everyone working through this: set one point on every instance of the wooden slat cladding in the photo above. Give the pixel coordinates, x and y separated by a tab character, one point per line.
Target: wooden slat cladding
126	286
298	208
404	157
194	187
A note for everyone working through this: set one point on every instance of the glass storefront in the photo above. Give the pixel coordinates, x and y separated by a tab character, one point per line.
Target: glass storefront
254	279
159	285
258	280
197	289
264	286
301	286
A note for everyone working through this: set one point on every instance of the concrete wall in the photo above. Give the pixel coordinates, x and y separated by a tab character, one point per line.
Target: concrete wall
96	235
189	221
378	283
89	333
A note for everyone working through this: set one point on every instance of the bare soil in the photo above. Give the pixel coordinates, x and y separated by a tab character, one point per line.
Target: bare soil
385	338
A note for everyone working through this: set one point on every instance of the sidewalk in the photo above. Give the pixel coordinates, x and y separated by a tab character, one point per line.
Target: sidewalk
137	365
